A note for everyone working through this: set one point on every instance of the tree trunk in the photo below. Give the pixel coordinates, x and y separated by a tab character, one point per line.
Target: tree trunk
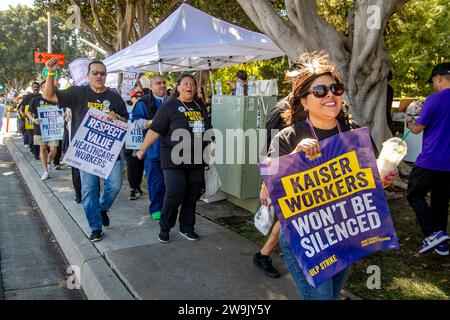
202	78
361	57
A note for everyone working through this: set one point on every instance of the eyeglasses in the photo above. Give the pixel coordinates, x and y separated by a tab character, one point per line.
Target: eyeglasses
95	73
322	90
137	96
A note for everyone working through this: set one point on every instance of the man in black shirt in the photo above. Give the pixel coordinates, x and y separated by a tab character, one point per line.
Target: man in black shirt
46	158
79	99
25	123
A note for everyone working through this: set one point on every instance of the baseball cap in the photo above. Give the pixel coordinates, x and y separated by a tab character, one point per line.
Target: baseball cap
441	69
136	92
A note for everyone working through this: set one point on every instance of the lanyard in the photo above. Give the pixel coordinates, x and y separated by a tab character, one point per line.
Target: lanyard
313	133
192	110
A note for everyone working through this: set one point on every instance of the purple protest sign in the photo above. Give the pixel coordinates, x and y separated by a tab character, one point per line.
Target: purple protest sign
332	209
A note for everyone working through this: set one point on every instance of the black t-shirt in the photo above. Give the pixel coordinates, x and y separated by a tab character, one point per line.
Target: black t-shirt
80	98
290	137
173	115
27	100
35	103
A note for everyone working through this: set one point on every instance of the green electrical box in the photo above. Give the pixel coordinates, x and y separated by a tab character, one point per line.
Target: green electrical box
239	120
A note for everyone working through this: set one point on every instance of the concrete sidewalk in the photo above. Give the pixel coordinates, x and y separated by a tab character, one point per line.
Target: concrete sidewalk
130	262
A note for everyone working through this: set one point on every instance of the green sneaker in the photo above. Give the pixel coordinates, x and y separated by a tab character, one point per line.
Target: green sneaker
156	215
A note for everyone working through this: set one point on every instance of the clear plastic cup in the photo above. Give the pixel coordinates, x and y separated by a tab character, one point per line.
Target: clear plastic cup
394	150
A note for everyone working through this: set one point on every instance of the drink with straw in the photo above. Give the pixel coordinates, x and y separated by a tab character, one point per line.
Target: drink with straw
394	150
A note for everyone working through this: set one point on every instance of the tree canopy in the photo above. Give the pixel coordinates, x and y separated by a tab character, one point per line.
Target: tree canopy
115	24
416	36
23	31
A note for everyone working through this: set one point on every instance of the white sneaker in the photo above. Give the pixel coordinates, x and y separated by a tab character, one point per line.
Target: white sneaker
50	168
44	176
442	249
434	240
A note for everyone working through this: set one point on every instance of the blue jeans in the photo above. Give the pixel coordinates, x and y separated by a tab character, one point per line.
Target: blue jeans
28	137
155	184
93	200
328	290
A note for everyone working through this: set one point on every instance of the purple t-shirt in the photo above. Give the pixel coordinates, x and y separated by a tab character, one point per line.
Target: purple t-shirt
435	116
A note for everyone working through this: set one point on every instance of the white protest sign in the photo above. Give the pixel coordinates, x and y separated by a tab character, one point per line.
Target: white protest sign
136	136
129	78
52	125
96	144
79	70
145	82
11	95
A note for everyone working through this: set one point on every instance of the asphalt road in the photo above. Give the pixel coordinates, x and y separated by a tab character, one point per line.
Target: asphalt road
32	266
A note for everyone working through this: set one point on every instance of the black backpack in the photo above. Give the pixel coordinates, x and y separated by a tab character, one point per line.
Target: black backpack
274	120
151	109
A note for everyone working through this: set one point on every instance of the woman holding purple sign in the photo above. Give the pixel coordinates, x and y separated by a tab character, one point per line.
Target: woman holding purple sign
318	94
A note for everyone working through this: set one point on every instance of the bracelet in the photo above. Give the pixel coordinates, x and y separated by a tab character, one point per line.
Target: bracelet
148	123
50	74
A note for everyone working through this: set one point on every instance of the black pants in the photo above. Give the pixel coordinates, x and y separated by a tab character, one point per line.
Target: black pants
135	168
34	149
57	159
76	180
65	142
182	188
433	217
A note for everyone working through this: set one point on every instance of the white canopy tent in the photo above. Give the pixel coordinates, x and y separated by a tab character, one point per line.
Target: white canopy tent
190	39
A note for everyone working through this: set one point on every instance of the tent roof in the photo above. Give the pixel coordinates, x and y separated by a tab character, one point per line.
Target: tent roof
190	39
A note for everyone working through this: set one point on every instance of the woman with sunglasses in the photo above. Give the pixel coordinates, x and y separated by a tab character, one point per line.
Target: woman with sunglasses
317	94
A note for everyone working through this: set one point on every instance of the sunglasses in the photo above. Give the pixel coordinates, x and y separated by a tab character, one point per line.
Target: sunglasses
95	73
322	90
137	96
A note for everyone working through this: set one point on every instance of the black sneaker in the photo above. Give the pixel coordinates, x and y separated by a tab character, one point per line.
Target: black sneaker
139	192
133	195
105	218
77	199
265	264
163	236
190	235
96	235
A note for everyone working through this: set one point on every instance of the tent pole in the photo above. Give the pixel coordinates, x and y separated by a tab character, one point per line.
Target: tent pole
160	67
211	82
210	78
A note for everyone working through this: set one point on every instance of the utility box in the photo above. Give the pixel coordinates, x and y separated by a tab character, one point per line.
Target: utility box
239	118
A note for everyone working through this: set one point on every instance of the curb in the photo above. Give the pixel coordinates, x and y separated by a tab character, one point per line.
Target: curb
98	280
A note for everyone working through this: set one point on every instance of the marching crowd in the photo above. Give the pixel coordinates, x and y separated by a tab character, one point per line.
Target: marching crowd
312	111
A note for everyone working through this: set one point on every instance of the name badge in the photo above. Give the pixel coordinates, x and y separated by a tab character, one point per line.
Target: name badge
198	127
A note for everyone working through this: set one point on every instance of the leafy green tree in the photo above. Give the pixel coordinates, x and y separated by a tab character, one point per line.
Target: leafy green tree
413	36
417	38
116	24
23	31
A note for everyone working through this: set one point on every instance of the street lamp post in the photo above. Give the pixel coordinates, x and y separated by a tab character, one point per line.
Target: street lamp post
49	33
